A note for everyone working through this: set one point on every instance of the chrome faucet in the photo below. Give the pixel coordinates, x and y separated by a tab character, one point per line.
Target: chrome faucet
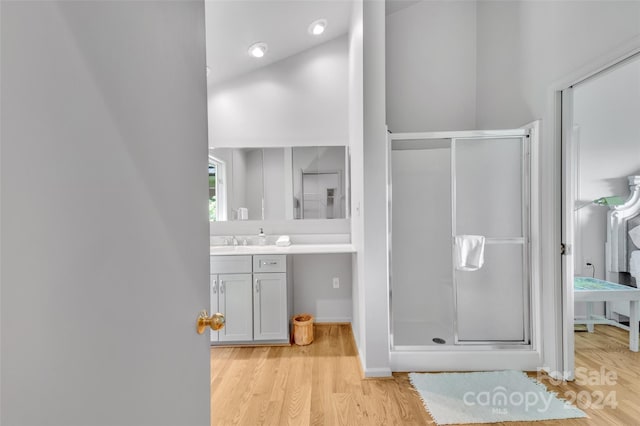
231	241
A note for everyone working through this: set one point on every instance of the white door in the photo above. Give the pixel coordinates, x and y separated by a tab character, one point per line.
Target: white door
270	306
236	304
104	227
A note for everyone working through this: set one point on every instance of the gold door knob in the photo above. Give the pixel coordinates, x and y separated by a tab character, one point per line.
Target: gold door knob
215	321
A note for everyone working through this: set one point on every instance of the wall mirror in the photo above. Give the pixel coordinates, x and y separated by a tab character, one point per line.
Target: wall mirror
283	183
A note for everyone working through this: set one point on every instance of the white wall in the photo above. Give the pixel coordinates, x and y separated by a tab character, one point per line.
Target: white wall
275	186
356	111
431	67
104	214
313	286
526	49
605	115
300	100
254	180
373	253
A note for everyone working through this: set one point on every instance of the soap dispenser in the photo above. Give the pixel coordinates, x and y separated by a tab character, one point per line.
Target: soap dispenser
262	239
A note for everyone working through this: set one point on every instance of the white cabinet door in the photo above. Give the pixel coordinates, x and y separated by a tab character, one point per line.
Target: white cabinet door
234	301
213	292
270	306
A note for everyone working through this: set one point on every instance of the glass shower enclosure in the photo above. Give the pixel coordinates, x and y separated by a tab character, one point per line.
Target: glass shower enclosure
445	185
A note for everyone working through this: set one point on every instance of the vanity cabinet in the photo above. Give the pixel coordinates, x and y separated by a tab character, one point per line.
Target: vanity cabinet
254	294
270	307
231	296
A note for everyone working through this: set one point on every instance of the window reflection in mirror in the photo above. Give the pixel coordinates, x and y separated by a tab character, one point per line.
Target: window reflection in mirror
277	183
216	188
237	191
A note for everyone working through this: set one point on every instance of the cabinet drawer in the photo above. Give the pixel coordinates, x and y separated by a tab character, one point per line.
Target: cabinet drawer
230	264
270	263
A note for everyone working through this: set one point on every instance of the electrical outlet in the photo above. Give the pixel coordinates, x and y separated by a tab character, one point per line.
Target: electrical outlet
336	282
589	267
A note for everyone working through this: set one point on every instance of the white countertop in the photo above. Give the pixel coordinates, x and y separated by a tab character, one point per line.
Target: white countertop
272	249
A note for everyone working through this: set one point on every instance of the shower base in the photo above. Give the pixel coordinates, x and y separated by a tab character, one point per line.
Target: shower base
422	333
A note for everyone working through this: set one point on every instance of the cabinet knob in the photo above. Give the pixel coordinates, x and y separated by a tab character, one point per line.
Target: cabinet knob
215	321
214	286
257	286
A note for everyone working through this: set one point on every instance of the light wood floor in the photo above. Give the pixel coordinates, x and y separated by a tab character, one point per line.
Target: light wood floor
321	384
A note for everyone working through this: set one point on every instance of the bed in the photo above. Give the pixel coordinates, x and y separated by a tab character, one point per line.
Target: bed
623	220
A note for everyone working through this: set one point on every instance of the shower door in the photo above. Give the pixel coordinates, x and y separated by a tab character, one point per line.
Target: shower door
490	184
422	300
449	184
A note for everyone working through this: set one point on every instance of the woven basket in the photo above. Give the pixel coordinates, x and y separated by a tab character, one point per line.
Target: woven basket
303	329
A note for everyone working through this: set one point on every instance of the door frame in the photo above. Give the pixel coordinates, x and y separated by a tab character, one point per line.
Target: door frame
566	170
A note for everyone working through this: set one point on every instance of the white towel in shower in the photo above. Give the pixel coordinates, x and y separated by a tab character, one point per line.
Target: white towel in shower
469	251
634	264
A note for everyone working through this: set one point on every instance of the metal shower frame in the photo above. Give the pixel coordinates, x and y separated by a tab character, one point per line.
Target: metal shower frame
524	135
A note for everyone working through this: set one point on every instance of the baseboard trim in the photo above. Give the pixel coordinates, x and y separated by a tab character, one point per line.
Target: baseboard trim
468	360
250	345
365	373
377	373
333	320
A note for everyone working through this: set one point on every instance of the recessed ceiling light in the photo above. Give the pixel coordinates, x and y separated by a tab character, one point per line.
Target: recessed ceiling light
317	27
258	50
